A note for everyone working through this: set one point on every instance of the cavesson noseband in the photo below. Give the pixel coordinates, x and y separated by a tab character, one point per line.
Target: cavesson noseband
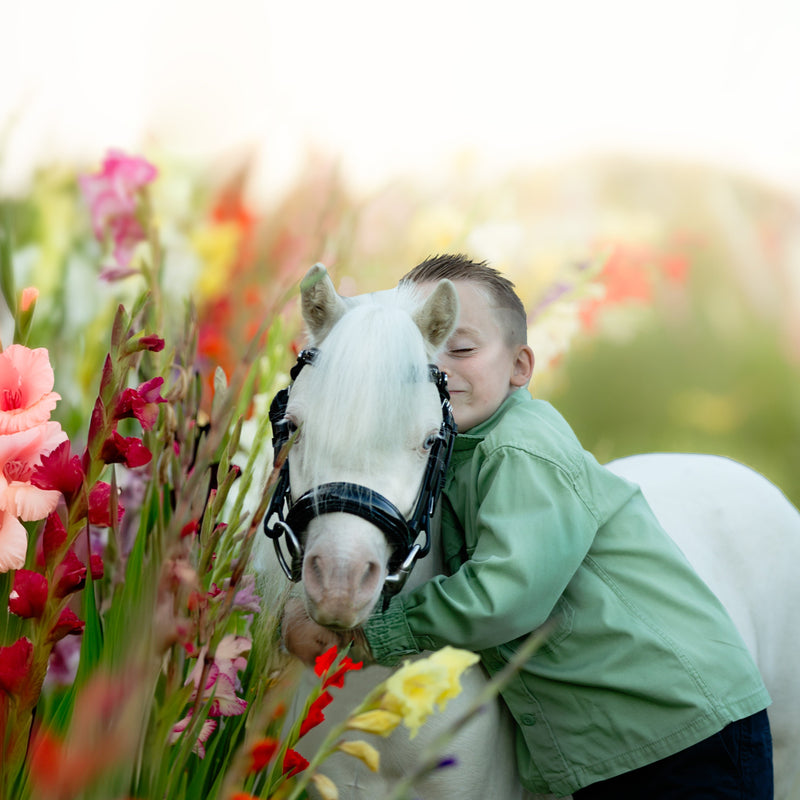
291	519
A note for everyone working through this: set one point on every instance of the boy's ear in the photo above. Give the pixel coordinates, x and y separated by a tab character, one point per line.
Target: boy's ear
523	366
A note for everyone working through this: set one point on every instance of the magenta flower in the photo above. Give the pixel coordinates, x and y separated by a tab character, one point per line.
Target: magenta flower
26	388
70	575
68	623
100	505
112	195
15	664
60	471
29	595
141	403
127	450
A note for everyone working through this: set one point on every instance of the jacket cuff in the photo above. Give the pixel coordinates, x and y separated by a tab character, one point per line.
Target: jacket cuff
389	636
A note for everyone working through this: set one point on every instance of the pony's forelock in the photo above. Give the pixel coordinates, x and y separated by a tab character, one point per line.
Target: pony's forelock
364	389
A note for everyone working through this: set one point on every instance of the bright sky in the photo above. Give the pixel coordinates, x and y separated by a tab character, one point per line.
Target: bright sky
397	88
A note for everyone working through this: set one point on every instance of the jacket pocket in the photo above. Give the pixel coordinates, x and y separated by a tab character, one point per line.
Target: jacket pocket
560	622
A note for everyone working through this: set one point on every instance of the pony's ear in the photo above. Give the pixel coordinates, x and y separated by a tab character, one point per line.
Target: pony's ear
321	306
437	316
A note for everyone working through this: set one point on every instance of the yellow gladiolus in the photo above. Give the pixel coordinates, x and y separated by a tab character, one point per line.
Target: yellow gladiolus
419	686
325	786
378	721
361	750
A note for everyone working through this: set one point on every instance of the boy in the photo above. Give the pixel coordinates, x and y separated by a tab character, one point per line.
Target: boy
643	688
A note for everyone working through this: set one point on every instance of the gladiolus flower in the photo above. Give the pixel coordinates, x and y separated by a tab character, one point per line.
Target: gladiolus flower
15	664
26	388
293	763
100	505
315	716
60	471
29	595
418	686
325	786
141	403
53	537
363	751
19	498
127	450
261	753
221	678
324	662
112	197
378	721
13	542
29	296
68	623
70	575
206	730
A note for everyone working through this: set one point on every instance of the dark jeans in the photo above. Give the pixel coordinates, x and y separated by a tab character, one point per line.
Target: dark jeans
734	763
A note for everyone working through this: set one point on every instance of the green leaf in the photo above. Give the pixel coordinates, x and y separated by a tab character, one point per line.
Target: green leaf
7	268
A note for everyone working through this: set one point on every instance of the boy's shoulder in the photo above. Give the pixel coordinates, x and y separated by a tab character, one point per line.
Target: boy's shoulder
528	424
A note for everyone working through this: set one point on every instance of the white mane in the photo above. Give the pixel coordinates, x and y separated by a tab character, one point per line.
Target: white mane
363	393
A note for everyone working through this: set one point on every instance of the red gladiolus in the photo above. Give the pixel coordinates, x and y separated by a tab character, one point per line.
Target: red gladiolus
70	575
127	450
29	595
53	537
15	664
141	403
100	505
68	623
323	663
60	471
315	716
261	753
96	567
293	763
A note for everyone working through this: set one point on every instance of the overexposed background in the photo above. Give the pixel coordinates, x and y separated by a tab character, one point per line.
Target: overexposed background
401	88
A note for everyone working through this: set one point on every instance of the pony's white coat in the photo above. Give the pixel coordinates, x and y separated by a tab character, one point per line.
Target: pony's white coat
737	529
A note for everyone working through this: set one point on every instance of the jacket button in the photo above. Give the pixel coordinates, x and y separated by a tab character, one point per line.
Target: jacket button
528	719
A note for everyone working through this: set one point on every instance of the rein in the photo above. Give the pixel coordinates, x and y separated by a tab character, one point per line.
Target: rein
292	518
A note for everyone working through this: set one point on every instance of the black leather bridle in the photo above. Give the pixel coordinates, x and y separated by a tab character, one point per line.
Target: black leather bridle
287	520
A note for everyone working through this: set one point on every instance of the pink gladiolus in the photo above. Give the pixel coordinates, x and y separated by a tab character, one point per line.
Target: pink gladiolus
112	197
19	498
26	388
206	729
13	542
222	680
29	595
30	294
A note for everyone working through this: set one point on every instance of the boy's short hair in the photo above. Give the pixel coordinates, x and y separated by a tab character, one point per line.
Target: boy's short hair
500	290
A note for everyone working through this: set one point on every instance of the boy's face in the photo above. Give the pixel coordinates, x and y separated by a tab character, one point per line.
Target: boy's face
482	368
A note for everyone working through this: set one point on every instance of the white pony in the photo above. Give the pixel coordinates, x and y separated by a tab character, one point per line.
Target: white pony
368	415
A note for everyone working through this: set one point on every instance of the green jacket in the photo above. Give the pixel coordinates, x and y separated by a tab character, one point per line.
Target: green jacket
643	661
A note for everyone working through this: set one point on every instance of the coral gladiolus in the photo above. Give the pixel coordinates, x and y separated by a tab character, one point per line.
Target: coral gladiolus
26	388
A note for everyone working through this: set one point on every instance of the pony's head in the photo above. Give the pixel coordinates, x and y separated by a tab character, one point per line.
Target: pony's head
367	416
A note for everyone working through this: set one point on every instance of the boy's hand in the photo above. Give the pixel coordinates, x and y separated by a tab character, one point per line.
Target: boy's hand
306	640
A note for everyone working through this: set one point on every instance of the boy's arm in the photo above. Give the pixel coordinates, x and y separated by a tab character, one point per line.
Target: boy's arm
532	531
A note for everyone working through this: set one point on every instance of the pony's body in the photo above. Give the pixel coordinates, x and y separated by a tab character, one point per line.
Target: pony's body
366	414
